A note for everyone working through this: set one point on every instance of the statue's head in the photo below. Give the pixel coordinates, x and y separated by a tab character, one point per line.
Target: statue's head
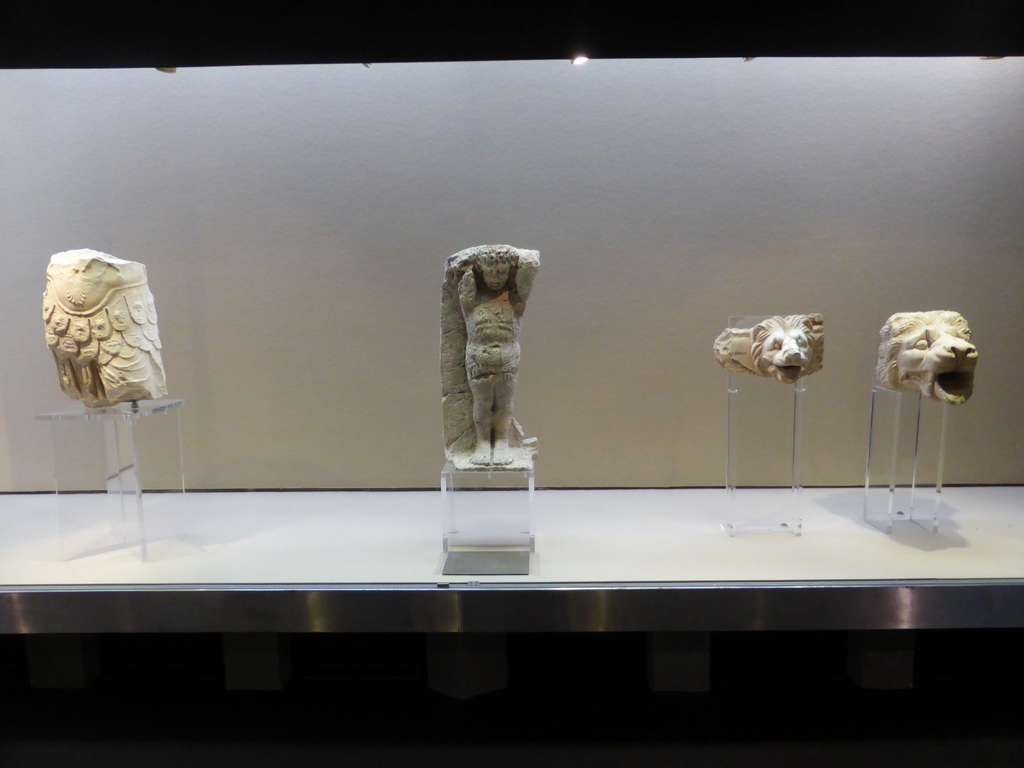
788	347
494	267
930	352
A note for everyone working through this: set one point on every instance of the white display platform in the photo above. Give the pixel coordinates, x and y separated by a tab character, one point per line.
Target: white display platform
597	536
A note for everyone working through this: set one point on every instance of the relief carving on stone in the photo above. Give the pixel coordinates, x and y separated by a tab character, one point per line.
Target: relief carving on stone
784	348
483	297
928	352
101	328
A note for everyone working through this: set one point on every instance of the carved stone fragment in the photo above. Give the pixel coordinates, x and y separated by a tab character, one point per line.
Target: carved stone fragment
928	352
483	297
785	348
101	328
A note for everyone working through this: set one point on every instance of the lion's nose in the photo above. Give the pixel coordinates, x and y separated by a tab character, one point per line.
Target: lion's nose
960	351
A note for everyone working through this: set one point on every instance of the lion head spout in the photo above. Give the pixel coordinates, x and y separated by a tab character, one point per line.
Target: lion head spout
928	352
785	348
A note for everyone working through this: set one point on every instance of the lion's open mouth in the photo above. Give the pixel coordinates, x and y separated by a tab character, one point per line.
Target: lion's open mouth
955	385
789	373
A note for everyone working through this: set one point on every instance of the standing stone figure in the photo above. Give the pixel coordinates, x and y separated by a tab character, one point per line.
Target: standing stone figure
483	298
101	328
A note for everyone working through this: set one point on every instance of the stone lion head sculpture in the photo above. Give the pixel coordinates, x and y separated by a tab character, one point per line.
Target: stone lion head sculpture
785	348
929	352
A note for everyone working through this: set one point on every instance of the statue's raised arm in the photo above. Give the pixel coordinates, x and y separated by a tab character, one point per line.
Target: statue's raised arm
467	290
525	272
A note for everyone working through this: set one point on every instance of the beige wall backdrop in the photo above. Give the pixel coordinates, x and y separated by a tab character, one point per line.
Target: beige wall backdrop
294	221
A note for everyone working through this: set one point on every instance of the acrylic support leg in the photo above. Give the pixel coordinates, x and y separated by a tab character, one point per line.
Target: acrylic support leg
62	661
679	661
100	492
906	452
487	521
256	661
881	659
763	478
124	490
467	664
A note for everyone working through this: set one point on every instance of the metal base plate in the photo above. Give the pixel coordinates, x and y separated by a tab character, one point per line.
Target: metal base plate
484	563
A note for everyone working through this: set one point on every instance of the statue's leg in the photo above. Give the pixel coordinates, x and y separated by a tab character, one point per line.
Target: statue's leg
88	382
67	375
504	389
483	401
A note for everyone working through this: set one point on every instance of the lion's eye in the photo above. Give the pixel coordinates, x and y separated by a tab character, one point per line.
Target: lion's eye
922	344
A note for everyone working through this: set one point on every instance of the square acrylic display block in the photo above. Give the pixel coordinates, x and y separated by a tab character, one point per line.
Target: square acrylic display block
487	521
906	451
764	445
107	498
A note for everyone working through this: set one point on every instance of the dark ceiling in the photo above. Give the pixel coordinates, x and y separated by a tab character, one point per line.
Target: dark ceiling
82	33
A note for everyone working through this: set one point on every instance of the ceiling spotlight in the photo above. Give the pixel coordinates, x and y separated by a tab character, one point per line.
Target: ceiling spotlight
580	60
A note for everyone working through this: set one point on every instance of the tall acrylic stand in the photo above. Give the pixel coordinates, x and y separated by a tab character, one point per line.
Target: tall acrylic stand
101	502
906	452
763	464
488	521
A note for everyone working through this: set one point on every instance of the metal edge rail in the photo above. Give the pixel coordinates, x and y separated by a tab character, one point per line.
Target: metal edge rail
473	607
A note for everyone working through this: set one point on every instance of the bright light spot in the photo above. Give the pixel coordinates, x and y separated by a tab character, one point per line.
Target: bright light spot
579	61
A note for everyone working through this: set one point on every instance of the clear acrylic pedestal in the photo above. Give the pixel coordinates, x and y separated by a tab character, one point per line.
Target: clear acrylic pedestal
763	484
101	504
488	521
906	451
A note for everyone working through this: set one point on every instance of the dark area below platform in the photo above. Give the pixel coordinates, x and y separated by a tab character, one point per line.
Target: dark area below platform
777	698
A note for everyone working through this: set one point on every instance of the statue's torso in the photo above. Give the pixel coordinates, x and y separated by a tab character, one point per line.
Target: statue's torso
492	344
